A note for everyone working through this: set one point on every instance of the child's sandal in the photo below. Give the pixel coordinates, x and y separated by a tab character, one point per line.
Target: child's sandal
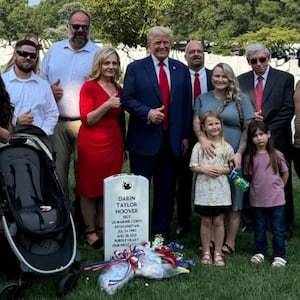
279	262
218	260
206	259
257	259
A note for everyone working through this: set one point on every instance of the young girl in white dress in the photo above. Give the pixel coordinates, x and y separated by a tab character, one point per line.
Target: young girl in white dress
212	189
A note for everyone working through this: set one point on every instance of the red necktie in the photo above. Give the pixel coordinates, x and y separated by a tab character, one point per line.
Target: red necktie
165	92
197	86
259	92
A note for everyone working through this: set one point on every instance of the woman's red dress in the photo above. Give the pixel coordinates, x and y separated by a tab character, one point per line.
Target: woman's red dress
100	147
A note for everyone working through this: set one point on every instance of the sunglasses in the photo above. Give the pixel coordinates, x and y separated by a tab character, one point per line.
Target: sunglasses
26	54
77	26
253	61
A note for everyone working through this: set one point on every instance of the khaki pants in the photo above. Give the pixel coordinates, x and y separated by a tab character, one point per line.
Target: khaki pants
64	144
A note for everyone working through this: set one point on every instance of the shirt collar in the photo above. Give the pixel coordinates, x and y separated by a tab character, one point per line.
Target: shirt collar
156	61
87	47
265	75
201	71
13	77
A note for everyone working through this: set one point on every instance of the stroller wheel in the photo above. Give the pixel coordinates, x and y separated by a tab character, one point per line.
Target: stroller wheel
11	291
67	283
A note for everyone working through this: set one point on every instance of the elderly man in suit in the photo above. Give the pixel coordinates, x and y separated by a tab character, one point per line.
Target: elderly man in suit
195	58
157	95
274	105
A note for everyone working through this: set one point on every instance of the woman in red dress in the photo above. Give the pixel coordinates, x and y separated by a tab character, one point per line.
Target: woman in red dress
100	139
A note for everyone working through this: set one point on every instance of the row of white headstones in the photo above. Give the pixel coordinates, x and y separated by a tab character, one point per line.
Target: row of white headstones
127	55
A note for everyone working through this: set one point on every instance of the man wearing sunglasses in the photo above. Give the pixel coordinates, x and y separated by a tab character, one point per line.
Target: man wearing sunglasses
276	108
66	66
31	95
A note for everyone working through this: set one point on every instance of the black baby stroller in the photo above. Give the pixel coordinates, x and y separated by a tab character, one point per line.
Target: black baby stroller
35	220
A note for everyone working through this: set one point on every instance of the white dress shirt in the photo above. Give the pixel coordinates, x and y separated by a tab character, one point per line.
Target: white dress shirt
33	94
166	68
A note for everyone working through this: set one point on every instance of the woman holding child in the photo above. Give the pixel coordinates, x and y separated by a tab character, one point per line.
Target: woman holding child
236	112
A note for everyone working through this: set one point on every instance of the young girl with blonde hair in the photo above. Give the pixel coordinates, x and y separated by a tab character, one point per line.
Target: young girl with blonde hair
212	190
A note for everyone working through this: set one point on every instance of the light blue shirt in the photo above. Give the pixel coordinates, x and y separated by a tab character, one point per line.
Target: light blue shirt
72	68
264	76
202	78
33	94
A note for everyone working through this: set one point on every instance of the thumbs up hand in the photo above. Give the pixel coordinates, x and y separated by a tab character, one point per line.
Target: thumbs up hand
57	90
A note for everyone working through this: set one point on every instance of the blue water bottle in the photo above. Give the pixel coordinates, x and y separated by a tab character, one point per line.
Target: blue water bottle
237	178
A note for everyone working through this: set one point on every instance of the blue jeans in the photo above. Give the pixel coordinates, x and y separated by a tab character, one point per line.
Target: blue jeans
275	215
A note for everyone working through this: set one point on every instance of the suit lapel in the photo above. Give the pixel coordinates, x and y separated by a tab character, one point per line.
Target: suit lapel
250	88
173	78
150	72
208	80
268	86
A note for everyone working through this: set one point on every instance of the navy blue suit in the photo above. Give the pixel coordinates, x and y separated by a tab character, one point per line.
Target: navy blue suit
154	151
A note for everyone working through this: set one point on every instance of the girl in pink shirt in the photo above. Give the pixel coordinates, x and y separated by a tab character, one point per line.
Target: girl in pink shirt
266	169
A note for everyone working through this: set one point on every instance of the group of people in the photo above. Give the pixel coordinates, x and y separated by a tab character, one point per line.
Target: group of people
235	120
183	120
251	122
70	95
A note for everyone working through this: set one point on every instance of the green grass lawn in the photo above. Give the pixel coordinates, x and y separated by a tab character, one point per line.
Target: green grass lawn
237	280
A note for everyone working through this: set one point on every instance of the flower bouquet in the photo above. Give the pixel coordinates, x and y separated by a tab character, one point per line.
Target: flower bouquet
152	260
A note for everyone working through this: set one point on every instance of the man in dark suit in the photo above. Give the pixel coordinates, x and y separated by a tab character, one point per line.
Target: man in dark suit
155	144
194	55
277	108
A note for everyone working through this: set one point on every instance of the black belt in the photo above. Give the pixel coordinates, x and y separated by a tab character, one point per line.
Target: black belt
68	119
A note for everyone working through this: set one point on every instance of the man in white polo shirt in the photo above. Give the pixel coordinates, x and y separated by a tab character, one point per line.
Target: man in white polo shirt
66	66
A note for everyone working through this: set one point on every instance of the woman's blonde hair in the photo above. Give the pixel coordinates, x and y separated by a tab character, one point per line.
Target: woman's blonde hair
99	59
233	92
214	114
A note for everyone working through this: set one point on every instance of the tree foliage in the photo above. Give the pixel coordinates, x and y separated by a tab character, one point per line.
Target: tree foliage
221	23
50	18
14	19
126	21
275	39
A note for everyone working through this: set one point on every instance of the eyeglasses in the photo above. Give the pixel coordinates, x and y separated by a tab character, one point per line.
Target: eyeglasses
77	26
253	61
26	54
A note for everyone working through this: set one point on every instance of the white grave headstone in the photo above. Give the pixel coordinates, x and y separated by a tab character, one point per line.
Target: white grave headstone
126	212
